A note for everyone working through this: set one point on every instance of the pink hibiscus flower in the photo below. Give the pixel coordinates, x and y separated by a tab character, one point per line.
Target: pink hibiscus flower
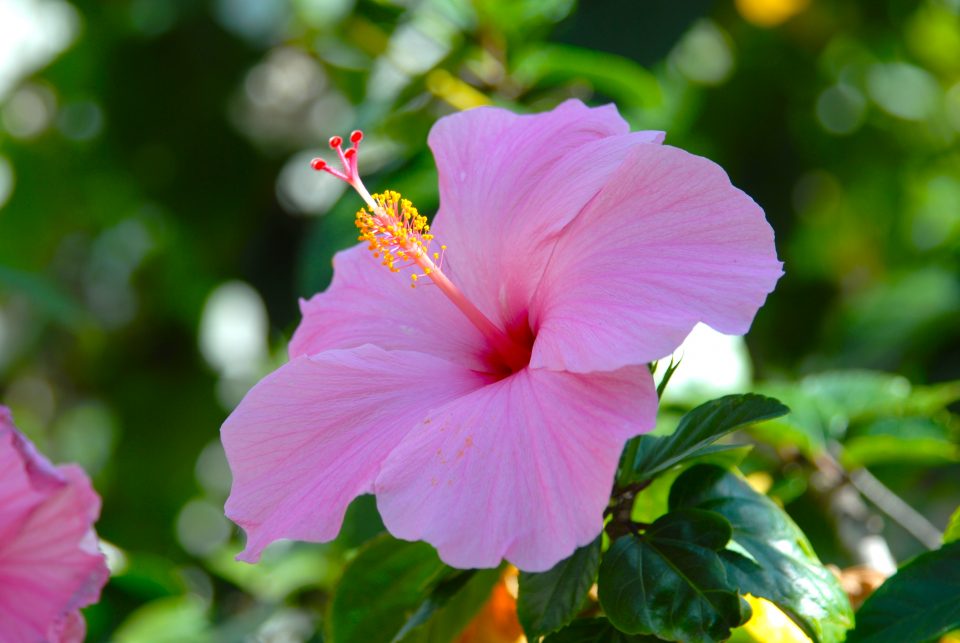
50	566
487	407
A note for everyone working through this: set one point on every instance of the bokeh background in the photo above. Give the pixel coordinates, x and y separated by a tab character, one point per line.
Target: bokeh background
159	220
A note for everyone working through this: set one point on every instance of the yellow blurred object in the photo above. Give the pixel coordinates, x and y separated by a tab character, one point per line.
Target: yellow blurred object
760	481
769	625
770	13
497	622
451	89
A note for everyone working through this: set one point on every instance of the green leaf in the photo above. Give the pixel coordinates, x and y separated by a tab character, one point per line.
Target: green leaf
921	602
449	608
382	588
551	599
804	427
782	566
826	405
870	450
617	77
927	400
668	372
952	531
858	394
671	581
862	394
175	619
596	630
277	576
697	430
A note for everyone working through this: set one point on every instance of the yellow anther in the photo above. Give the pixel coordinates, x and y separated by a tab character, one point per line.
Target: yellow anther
394	230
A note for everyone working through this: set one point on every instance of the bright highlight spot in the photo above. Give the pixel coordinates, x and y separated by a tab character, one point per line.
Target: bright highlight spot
29	111
116	558
903	90
300	193
233	329
711	364
202	527
770	625
6	180
770	13
704	54
32	33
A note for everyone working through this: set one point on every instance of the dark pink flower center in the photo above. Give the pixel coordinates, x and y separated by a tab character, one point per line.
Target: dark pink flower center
517	355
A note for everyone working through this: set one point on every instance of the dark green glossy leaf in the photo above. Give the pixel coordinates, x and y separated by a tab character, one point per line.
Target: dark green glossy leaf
668	372
596	630
382	588
921	602
551	599
697	430
671	582
770	557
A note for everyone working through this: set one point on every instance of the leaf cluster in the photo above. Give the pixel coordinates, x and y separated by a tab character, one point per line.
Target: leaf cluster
682	576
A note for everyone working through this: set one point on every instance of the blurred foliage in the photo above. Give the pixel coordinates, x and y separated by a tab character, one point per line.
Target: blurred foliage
158	220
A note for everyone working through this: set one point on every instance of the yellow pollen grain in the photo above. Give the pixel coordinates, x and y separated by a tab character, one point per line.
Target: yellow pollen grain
394	230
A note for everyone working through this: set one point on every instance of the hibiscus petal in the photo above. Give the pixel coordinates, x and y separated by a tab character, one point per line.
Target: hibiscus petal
368	304
69	629
509	183
521	469
52	566
25	479
310	437
667	243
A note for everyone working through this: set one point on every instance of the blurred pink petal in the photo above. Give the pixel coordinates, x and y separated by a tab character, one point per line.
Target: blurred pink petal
521	469
666	244
310	438
50	566
70	629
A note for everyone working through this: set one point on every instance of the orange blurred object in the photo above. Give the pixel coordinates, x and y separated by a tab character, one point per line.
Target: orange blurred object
497	622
